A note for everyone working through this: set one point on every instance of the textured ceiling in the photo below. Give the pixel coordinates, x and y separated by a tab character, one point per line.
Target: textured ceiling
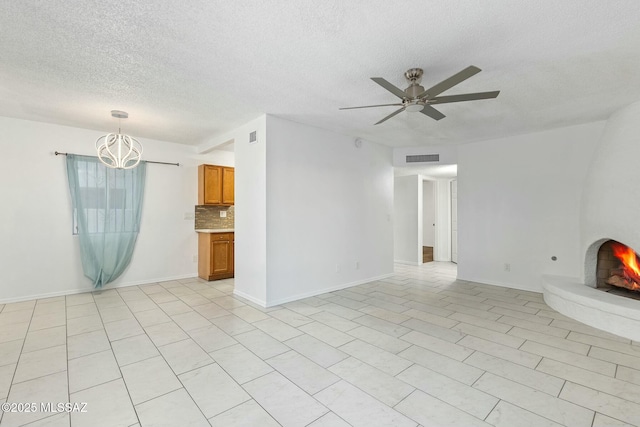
188	72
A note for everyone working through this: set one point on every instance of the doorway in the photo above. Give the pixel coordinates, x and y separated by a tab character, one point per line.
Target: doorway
428	219
422	214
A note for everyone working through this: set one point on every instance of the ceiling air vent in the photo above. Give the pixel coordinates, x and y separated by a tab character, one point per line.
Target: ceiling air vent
420	158
253	137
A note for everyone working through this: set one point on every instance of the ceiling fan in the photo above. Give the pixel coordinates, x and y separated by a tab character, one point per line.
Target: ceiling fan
416	98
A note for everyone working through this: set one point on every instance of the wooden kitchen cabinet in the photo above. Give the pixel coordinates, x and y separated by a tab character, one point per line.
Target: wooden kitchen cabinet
228	186
215	255
216	185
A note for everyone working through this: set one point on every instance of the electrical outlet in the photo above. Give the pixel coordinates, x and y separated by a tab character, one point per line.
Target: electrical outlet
507	267
223	214
357	265
337	268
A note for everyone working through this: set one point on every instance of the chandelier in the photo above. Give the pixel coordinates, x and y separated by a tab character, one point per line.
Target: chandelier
119	151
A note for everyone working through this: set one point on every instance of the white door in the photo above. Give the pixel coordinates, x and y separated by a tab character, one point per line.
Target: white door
454	221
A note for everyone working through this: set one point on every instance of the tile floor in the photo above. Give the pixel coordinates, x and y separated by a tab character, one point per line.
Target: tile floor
419	348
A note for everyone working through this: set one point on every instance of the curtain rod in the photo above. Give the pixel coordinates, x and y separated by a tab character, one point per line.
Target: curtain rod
57	153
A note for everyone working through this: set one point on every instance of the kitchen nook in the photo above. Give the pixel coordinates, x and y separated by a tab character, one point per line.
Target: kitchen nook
214	222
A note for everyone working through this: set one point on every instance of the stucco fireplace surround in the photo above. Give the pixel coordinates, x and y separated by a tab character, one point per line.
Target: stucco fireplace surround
610	211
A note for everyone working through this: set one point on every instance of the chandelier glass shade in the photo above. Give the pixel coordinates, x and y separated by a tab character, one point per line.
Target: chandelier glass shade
117	150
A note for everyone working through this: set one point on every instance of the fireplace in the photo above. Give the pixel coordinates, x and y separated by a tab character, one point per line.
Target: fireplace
608	211
618	270
606	298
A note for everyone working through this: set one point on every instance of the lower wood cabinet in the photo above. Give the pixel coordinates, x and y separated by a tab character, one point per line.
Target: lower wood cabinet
215	255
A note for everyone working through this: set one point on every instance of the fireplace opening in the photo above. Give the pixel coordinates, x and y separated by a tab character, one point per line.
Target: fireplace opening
618	270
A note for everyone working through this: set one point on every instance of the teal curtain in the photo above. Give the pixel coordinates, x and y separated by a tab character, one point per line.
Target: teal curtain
107	206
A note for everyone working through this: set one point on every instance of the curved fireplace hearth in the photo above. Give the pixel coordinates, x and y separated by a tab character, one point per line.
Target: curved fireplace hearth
608	312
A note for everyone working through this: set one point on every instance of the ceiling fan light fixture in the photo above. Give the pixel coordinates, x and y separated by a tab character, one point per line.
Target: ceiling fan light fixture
414	108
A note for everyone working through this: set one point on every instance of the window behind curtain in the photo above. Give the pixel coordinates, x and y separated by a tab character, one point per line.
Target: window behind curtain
105	208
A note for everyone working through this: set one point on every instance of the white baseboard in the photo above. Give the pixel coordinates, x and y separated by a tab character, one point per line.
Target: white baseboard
326	290
248	297
108	286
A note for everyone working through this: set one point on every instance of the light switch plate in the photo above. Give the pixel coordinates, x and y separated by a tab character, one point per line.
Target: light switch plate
189	215
223	214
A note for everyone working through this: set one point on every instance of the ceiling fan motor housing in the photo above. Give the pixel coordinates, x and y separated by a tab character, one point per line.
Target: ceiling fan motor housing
413	91
414	77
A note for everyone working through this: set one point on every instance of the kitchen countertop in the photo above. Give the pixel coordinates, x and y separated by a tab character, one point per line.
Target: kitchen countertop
215	230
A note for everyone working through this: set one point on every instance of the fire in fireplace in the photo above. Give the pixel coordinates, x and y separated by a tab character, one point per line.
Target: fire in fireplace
619	266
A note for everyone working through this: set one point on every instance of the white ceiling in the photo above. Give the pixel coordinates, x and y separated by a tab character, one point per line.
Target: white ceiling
188	72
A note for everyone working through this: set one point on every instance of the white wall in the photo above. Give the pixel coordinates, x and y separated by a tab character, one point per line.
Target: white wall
407	219
519	203
329	206
454	221
428	213
40	256
250	209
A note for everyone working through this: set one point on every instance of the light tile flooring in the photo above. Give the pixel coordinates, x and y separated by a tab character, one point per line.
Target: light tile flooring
417	349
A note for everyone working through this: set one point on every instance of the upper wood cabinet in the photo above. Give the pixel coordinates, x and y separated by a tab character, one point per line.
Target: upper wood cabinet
215	185
228	188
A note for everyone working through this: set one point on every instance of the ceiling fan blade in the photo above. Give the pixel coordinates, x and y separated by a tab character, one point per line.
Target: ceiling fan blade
464	97
450	82
432	112
391	88
390	115
369	106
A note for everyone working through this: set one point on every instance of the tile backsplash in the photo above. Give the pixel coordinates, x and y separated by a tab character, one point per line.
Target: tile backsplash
209	217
